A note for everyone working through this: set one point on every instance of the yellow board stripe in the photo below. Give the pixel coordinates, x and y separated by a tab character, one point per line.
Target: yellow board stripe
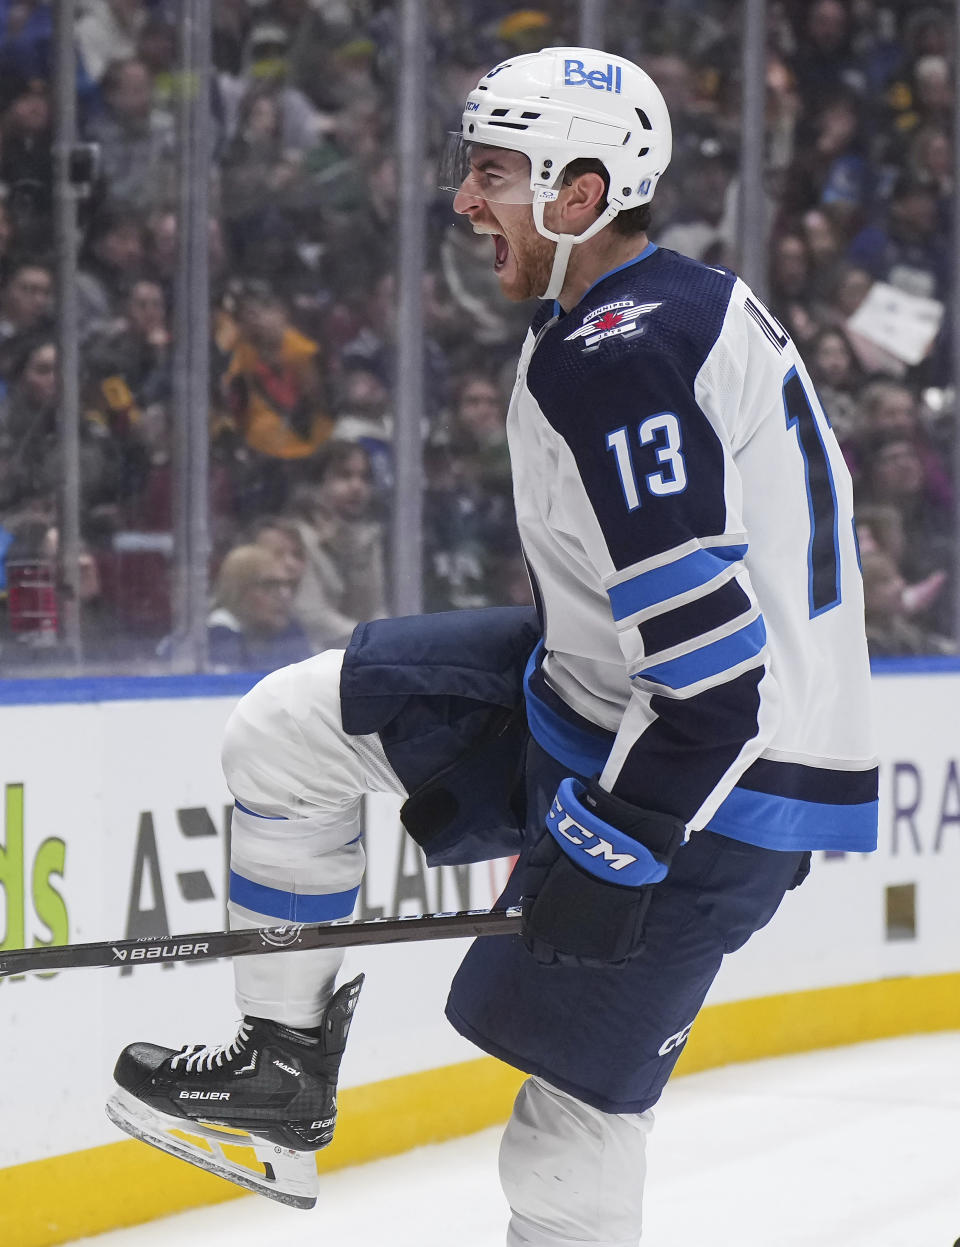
53	1201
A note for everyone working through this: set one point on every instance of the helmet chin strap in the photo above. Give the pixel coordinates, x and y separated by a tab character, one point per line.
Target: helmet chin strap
561	258
565	244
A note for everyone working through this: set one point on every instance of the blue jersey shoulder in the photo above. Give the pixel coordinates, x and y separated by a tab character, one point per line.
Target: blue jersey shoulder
661	311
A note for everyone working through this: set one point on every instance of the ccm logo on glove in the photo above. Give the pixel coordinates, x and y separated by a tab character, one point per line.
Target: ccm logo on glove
605	851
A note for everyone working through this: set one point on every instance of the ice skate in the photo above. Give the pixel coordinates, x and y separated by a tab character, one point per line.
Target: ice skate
253	1111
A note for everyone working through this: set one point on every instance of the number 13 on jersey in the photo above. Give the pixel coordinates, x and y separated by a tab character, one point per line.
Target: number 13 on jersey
663	430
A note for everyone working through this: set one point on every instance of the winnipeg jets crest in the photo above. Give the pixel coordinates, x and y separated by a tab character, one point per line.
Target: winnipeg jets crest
617	319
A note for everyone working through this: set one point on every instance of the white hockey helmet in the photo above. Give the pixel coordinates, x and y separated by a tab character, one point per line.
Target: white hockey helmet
555	106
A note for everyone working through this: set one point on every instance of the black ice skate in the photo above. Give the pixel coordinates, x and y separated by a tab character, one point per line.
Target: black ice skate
252	1111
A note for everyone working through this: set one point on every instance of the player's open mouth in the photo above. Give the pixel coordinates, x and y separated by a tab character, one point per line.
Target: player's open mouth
501	251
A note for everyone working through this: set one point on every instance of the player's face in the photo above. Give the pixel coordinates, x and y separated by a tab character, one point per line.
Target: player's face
522	258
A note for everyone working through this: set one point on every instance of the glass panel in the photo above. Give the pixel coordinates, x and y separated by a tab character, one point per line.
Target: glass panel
301	243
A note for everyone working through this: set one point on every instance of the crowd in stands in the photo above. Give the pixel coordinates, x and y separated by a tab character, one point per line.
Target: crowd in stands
303	244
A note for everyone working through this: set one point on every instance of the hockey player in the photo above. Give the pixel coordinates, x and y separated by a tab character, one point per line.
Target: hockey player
695	686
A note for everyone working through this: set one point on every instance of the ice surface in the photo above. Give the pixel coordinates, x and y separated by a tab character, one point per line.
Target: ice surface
852	1147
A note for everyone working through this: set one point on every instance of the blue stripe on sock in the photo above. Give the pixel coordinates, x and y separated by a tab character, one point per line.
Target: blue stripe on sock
291	906
273	818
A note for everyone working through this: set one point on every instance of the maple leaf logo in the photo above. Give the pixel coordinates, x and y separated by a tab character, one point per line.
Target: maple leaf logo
613	320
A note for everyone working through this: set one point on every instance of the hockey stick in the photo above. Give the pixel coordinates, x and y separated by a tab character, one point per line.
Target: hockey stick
207	945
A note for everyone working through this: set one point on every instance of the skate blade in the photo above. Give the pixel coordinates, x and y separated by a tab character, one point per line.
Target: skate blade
280	1173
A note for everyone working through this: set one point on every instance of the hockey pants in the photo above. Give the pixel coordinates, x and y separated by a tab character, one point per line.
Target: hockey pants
573	1175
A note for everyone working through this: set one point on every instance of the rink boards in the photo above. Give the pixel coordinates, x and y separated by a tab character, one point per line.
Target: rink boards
115	824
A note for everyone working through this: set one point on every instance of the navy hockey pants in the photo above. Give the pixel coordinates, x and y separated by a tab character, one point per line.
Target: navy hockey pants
609	1037
612	1037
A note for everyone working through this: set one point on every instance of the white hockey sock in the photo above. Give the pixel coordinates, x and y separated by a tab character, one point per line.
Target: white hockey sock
573	1175
296	854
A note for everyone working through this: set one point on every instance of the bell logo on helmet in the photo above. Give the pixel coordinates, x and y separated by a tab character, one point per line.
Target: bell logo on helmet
607	79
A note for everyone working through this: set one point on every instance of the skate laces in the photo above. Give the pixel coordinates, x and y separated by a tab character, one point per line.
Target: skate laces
198	1057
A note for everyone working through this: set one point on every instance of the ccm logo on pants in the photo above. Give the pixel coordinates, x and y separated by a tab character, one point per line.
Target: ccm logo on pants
675	1041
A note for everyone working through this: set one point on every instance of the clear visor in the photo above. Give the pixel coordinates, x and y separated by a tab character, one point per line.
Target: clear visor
496	174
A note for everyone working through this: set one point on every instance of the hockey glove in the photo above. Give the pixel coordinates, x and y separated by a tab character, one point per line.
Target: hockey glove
589	880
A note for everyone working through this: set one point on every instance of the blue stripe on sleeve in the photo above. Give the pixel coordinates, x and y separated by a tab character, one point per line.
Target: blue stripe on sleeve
709	660
660	584
783	823
584	749
291	906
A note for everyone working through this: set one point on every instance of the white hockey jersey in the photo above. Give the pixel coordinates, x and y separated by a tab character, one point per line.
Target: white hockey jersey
687	520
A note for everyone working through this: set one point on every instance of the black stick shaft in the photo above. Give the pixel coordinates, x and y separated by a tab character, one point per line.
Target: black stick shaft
207	945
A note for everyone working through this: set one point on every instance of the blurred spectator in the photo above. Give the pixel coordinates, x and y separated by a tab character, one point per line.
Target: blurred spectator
930	161
283	539
6	237
107	31
26	36
833	367
890	409
375	344
265	65
251	627
231	22
825	60
260	173
705	227
933	90
893	475
467	534
478	428
26	161
907	248
843	295
26	298
29	445
157	48
160	243
31	625
881	528
822	237
890	633
28	429
111	261
274	390
135	351
344	579
364	416
790	294
136	139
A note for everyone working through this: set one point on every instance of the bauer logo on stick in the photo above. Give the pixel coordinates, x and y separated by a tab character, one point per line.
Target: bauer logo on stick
156	952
